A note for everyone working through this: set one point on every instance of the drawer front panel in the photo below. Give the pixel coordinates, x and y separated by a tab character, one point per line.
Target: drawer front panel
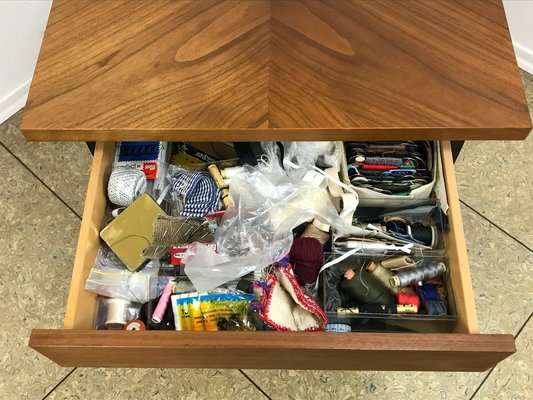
297	350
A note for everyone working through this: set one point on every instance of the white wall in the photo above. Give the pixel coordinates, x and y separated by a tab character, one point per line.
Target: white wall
22	25
520	18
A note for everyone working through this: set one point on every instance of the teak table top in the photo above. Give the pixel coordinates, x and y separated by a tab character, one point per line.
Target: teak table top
276	70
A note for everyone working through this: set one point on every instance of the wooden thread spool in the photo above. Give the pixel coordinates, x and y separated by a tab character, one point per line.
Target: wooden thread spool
383	275
397	262
219	181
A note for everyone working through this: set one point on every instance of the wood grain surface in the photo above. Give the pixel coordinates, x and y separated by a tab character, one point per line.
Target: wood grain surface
260	70
285	350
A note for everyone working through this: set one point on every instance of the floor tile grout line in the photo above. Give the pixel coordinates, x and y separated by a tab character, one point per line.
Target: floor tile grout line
40	180
59	383
493	368
255	384
496	225
523	326
481	384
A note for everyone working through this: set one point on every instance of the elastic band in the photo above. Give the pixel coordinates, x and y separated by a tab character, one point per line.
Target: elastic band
333	262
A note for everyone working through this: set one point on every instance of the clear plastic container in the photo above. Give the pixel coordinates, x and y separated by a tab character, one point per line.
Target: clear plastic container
333	297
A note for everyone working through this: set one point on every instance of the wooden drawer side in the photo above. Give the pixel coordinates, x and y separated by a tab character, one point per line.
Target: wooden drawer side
456	249
81	304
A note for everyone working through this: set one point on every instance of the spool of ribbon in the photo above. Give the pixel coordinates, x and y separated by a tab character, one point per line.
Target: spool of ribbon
125	185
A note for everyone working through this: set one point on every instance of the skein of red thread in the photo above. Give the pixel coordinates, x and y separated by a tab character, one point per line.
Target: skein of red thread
404	297
307	256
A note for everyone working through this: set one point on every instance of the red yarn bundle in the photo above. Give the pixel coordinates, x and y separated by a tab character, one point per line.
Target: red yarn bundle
307	256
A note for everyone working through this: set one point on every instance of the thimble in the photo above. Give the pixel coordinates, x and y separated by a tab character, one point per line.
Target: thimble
125	185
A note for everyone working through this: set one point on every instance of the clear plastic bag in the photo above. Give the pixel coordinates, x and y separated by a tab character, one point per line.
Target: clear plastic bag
268	205
300	157
110	278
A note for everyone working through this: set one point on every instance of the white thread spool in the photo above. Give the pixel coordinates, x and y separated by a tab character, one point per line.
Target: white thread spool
126	185
117	313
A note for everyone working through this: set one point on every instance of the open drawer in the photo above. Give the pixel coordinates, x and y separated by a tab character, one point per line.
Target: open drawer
79	345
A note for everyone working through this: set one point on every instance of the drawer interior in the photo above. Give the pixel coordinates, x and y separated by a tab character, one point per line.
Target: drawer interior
81	304
78	344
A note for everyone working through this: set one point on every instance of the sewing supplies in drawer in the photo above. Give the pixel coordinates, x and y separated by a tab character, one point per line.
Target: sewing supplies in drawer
294	243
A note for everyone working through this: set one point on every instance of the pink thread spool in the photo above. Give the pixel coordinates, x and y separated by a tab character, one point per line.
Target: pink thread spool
162	304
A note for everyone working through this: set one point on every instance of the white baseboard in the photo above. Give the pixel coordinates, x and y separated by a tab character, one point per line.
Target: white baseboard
524	57
14	101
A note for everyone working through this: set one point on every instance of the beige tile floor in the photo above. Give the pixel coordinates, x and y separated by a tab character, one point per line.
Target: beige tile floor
42	190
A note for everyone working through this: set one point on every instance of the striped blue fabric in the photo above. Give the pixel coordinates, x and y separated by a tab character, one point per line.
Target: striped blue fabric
199	193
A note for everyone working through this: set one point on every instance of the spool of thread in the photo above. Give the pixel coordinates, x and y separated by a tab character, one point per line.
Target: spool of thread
396	161
377	167
363	287
135	325
425	234
117	313
436	307
307	256
162	305
313	231
383	275
219	181
230	172
407	298
427	292
410	276
397	262
125	185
